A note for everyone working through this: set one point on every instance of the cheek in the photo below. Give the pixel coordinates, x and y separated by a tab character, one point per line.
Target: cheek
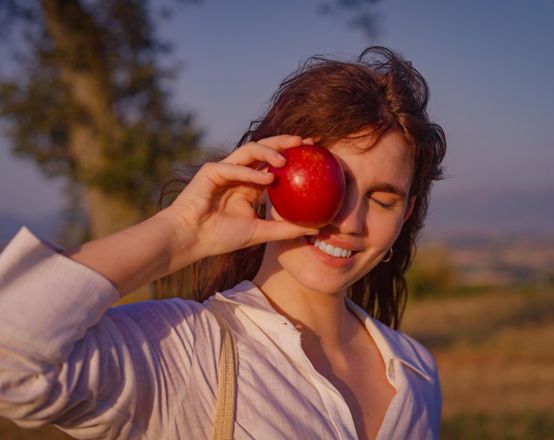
384	227
275	249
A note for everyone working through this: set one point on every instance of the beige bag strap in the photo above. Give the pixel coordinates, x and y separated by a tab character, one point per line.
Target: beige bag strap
226	385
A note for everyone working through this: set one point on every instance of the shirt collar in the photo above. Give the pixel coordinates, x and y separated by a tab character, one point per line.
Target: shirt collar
392	344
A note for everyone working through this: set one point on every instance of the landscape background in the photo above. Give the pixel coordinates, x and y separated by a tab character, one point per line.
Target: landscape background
482	285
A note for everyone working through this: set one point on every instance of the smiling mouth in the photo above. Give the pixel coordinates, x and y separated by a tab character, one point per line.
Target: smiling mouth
333	251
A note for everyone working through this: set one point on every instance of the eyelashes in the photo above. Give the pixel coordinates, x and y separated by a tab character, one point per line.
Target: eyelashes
381	204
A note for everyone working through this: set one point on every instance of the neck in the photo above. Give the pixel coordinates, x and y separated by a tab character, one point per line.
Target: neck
322	318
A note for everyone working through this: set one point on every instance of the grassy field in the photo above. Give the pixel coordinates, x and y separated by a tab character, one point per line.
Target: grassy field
496	362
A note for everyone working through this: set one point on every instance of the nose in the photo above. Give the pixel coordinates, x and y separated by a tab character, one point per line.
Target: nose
350	218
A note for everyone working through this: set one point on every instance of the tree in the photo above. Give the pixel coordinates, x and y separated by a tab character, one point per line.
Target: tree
89	102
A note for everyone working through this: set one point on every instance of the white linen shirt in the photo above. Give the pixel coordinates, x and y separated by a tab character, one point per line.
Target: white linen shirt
148	370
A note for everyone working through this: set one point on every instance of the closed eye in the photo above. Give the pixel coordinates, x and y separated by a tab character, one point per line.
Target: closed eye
381	188
382	204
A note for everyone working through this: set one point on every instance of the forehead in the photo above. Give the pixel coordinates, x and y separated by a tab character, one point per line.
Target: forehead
388	155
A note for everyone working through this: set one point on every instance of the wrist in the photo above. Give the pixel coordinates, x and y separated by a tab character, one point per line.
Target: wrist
183	242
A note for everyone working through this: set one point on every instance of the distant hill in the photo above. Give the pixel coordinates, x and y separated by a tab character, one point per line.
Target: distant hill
491	213
495	238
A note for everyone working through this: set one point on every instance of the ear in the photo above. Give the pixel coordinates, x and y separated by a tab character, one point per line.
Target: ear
409	208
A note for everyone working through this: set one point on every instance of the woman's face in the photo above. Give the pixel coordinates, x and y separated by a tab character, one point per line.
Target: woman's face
376	205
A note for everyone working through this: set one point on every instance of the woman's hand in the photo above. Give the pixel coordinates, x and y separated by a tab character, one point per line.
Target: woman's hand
212	215
216	207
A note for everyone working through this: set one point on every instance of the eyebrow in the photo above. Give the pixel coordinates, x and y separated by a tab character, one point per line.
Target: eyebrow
388	188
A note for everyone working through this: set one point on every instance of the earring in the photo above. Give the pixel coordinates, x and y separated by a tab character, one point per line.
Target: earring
388	257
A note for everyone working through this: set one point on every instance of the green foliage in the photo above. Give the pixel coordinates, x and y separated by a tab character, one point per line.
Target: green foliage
529	425
108	49
38	110
432	274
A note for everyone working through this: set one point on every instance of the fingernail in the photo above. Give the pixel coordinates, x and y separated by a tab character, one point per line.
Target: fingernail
312	232
281	158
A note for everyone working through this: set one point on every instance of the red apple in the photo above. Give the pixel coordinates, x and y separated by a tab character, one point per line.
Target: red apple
310	188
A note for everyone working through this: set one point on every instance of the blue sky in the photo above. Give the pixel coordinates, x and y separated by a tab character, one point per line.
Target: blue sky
489	64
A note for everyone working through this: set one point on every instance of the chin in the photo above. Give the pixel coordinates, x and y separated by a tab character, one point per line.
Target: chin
317	282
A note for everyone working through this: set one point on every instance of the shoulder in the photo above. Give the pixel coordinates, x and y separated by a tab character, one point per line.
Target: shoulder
186	321
172	310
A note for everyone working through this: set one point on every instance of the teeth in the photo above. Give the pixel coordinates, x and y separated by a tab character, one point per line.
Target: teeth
331	250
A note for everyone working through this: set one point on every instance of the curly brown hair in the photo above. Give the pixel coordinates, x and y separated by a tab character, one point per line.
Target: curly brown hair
329	100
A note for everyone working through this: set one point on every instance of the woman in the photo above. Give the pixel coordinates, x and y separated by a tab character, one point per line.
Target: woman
316	352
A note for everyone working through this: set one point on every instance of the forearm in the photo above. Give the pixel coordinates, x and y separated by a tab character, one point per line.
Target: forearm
140	254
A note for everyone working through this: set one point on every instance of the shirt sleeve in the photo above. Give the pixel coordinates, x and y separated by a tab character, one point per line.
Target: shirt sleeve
69	360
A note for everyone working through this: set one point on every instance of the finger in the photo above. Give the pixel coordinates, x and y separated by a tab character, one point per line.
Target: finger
274	143
255	154
213	176
269	230
281	142
266	151
308	141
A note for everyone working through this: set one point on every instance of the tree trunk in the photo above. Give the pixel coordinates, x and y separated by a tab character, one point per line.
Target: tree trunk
107	214
86	74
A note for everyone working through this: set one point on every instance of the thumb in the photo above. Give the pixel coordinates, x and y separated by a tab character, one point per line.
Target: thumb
273	230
